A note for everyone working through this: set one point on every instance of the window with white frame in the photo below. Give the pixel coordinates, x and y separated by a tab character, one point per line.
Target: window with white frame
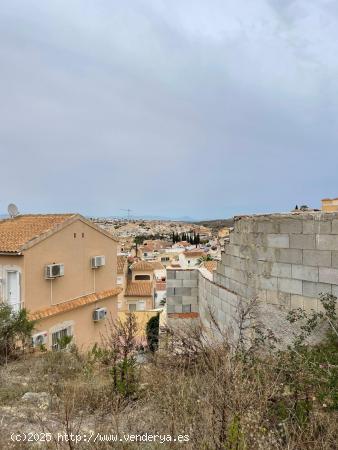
138	306
141	305
58	335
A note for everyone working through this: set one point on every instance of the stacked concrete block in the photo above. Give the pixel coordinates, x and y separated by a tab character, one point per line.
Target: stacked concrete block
182	295
283	259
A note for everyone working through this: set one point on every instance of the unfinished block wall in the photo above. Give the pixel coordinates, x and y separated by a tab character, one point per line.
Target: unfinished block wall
182	294
282	259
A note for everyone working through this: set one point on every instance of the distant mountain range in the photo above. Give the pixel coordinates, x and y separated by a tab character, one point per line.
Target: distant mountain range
151	217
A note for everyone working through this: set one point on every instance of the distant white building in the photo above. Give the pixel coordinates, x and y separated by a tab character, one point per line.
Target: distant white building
191	258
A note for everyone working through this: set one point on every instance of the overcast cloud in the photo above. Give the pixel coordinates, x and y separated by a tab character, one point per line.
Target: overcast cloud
171	108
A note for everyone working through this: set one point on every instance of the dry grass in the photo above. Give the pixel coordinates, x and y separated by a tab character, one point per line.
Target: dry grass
219	399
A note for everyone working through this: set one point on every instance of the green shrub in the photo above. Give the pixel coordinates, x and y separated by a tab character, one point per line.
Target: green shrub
15	332
152	331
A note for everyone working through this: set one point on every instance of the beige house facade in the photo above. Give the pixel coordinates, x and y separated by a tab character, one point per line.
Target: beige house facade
330	204
139	286
62	269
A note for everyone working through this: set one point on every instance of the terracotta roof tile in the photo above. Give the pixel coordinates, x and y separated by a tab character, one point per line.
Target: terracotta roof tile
194	253
121	261
73	304
210	265
191	315
161	285
175	264
139	289
144	266
18	231
21	232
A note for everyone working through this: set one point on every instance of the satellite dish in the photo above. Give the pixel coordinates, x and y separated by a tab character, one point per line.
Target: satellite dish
12	210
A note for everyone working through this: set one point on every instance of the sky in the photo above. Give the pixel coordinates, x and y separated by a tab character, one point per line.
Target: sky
180	108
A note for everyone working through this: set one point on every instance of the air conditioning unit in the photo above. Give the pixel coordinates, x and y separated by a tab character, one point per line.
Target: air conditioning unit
99	314
98	261
39	339
54	270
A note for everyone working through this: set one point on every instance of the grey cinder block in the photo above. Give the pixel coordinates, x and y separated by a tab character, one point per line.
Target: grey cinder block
291	286
315	289
278	240
327	241
174	283
171	274
316	226
335	226
190	283
327	275
281	270
302	241
289	255
268	283
307	273
291	226
317	258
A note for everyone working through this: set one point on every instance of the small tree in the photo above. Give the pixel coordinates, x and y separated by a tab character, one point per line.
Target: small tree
120	343
15	331
204	258
152	331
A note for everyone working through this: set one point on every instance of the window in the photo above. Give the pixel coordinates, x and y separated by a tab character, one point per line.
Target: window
119	305
142	277
119	280
165	259
138	306
141	306
74	235
58	335
186	308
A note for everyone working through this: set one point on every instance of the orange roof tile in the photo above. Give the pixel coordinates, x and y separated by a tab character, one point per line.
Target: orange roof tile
23	231
210	265
191	315
161	285
183	244
73	304
121	261
194	253
144	266
18	231
139	289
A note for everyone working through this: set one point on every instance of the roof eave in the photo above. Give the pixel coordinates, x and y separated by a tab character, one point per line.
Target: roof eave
16	253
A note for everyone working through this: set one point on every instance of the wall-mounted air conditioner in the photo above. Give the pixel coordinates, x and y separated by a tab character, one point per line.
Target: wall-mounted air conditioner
99	314
54	270
97	261
39	339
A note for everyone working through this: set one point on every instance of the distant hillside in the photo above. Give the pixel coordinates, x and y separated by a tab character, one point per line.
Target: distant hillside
216	224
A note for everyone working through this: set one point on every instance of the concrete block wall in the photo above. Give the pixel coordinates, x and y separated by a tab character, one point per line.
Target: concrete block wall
284	259
217	304
182	294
